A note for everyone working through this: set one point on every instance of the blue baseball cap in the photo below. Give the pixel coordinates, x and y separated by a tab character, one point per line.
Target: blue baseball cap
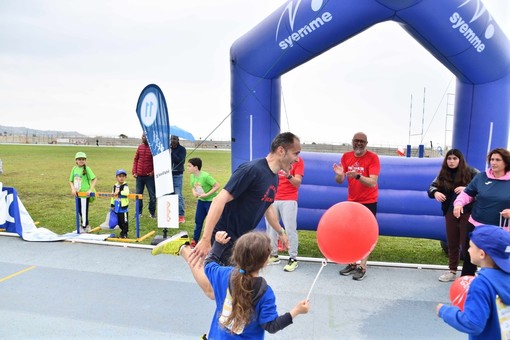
121	171
494	241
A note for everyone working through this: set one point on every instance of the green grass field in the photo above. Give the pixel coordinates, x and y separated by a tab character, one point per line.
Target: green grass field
40	175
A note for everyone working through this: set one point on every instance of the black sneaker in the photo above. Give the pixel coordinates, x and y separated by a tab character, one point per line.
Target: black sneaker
348	270
360	273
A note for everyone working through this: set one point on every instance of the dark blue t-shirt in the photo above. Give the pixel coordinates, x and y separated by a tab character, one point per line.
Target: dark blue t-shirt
253	186
491	197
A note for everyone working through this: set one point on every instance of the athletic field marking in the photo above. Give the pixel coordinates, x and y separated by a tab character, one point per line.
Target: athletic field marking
17	273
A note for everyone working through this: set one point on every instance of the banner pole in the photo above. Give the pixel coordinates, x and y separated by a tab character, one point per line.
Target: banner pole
77	205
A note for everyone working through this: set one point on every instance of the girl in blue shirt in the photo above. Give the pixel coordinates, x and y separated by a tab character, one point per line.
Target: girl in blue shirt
245	303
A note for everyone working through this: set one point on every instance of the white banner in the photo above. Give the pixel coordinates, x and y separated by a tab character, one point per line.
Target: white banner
163	174
168	211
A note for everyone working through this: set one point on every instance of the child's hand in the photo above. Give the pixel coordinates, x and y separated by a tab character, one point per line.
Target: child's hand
438	307
222	237
301	308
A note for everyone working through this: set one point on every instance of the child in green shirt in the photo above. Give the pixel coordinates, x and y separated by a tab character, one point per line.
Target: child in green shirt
82	179
205	188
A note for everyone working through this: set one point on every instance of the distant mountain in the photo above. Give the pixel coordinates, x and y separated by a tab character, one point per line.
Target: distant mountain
23	131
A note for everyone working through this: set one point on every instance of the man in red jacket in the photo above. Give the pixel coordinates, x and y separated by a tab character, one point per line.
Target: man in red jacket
143	171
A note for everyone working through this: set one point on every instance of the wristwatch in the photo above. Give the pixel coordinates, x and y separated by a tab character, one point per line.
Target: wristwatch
289	176
358	176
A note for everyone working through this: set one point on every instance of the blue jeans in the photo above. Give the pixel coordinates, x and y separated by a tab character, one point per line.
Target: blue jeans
200	214
178	190
147	181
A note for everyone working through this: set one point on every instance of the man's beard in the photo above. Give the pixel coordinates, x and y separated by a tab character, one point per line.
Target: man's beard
359	151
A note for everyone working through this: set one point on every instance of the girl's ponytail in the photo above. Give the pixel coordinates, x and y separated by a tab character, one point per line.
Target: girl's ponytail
251	252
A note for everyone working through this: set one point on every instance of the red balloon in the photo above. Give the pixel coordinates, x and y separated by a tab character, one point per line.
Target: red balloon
347	232
459	290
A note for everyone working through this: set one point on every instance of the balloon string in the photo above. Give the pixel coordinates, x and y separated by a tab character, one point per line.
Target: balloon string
324	263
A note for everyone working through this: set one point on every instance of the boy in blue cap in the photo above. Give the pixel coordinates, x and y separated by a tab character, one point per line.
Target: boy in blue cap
489	249
119	204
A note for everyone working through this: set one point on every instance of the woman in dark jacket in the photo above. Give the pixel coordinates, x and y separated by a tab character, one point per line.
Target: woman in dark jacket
453	177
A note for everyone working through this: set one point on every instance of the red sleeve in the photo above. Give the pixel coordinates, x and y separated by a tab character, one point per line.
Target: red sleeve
135	163
299	167
375	165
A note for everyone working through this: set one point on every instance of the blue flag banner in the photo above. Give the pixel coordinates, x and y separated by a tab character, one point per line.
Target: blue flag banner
153	115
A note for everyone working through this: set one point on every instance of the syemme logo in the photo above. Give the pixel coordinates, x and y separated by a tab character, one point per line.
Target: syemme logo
302	32
462	25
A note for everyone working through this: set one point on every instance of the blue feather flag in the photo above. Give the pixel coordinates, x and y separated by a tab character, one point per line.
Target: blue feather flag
153	115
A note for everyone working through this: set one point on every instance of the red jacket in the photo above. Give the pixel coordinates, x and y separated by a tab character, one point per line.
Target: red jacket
142	164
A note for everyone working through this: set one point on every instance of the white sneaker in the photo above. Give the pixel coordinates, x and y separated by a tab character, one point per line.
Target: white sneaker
85	229
448	276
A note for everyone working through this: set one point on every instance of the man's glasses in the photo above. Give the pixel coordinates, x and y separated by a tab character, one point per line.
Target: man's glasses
361	141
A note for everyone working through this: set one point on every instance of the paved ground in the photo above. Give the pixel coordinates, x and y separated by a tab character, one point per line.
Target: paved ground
68	290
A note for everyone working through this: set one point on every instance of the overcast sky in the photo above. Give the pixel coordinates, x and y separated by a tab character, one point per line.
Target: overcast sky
81	65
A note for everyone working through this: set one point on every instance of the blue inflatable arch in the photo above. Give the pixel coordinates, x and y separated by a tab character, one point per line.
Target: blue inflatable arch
461	34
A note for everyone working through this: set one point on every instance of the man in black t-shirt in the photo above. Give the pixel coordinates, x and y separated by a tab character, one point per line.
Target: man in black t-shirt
238	208
247	197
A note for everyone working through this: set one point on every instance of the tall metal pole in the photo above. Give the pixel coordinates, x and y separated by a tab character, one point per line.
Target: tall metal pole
450	101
